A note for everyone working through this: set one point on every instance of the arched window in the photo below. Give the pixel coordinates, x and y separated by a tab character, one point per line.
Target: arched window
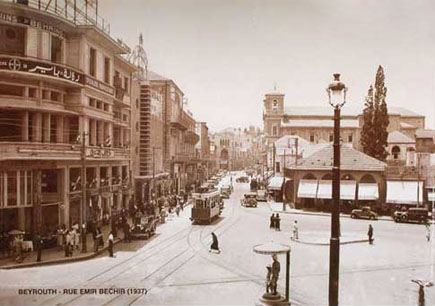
395	151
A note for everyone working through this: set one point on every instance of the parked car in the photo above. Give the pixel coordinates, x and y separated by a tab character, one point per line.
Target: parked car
364	213
249	200
412	215
262	195
143	226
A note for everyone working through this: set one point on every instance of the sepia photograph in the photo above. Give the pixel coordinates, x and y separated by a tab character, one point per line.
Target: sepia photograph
217	152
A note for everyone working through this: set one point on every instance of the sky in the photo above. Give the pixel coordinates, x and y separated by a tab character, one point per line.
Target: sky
225	55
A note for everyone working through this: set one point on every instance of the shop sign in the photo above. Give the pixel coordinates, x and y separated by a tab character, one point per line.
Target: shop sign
11	18
99	85
42	68
100	153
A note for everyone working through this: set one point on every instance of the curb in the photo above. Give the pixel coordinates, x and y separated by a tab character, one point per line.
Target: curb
58	261
327	243
324	214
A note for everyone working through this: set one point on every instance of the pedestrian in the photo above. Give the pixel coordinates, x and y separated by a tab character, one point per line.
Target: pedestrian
96	237
59	238
110	241
295	230
370	234
39	245
272	221
277	222
427	231
177	210
215	244
126	229
67	243
76	235
83	234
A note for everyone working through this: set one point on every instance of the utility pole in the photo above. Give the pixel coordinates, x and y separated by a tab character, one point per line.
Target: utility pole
83	229
273	159
283	183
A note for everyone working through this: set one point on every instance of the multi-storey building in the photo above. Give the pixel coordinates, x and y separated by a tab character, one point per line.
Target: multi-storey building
65	116
205	165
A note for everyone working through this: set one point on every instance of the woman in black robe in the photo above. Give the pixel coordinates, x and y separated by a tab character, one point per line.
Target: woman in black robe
215	244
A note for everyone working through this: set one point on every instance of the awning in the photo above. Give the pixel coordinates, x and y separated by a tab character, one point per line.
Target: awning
276	182
404	192
325	189
431	196
368	191
347	190
307	189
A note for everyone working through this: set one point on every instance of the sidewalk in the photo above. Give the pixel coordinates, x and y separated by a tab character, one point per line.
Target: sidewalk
277	207
55	256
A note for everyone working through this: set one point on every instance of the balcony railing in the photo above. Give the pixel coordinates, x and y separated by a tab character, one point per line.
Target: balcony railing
79	12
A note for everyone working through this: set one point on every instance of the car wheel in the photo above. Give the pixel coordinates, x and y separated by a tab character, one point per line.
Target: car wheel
397	219
352	216
404	218
372	217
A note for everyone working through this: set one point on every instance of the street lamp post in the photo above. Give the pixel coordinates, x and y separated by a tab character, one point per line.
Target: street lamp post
337	98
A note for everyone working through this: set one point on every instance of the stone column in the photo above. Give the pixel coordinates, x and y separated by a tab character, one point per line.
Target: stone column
66	129
93	137
100	132
46	127
25	126
121	137
37	127
65	187
59	129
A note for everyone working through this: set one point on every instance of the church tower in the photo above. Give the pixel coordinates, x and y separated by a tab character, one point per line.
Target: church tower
273	113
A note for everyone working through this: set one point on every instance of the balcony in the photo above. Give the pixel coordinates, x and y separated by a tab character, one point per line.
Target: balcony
178	124
191	137
39	151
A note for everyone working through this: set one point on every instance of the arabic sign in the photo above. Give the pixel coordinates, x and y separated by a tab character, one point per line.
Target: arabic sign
10	18
99	153
99	85
31	66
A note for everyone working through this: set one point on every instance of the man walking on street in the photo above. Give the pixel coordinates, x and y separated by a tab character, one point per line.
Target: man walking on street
272	221
370	234
110	242
39	244
295	230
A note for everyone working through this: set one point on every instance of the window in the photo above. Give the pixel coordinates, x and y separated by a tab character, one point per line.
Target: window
274	130
278	167
92	62
107	70
49	181
12	188
396	152
350	138
311	137
56	49
12	40
137	103
331	137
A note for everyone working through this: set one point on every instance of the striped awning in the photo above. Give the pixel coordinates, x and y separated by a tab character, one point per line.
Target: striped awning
404	192
307	189
368	191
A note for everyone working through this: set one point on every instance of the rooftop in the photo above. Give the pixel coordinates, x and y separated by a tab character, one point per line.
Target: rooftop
398	137
425	134
351	160
345	111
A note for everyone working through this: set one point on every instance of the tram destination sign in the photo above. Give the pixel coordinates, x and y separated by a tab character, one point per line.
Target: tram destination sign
43	68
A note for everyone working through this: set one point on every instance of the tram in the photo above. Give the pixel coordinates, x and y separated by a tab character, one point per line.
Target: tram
206	204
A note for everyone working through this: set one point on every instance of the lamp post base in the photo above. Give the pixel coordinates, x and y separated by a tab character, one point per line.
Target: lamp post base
269	299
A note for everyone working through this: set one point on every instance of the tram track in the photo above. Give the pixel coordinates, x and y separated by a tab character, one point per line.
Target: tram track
148	252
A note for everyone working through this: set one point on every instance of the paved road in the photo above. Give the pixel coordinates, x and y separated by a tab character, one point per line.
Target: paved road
176	268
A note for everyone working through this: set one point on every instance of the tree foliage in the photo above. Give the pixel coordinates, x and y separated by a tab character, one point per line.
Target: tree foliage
374	135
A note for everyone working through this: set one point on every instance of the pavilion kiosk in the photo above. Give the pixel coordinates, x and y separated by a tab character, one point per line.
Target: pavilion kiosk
271	297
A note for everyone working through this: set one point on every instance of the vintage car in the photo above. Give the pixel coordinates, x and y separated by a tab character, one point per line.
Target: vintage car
412	215
225	192
143	226
242	179
262	195
364	213
249	199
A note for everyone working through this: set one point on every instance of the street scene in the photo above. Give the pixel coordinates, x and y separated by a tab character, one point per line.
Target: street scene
189	152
